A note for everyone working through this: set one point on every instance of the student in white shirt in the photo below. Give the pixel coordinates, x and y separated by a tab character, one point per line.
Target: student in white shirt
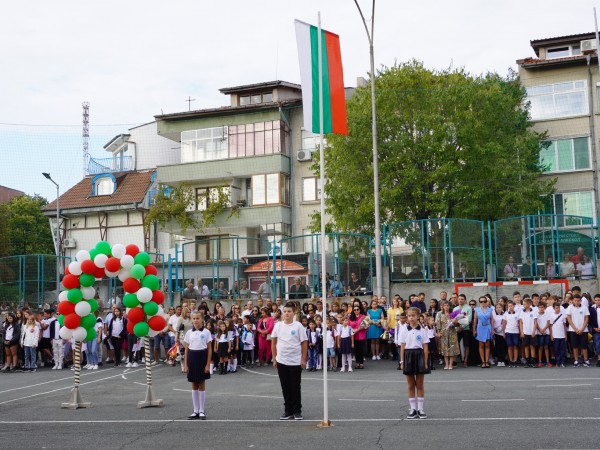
594	325
527	328
247	338
543	334
196	363
345	339
289	345
330	341
512	320
578	317
558	334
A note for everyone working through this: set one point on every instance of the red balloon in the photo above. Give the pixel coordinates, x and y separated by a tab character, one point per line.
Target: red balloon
67	271
65	308
131	285
151	270
130	326
98	272
135	315
70	281
112	264
132	250
157	323
88	266
72	321
158	297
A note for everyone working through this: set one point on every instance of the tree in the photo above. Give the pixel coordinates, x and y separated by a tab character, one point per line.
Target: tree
450	145
24	228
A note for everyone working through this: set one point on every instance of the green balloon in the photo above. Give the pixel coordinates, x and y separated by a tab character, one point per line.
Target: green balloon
151	282
141	329
93	253
130	300
61	320
103	247
93	304
137	271
88	321
91	334
142	258
150	308
74	295
86	279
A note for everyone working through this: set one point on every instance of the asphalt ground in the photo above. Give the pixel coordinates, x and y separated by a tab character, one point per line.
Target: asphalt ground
467	408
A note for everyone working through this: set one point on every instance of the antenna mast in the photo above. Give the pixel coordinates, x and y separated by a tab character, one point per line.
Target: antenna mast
86	136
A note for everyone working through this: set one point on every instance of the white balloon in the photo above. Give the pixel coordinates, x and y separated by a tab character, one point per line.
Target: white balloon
144	295
127	261
82	309
88	292
63	296
80	334
118	250
100	260
110	274
82	255
75	268
152	333
65	333
124	274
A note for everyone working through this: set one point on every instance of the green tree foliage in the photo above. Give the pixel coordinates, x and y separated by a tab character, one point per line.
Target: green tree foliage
450	145
23	227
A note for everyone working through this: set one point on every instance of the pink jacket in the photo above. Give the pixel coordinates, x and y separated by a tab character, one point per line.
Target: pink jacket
270	324
359	335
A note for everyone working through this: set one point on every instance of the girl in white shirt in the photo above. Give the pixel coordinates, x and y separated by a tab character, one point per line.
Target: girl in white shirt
196	363
346	344
30	336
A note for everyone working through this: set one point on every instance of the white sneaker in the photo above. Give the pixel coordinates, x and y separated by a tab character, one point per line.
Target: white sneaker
59	367
107	360
55	367
72	367
134	364
349	369
86	367
378	357
374	358
124	358
128	365
143	361
342	370
94	367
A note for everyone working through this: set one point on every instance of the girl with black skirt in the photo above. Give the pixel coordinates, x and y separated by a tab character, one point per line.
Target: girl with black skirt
196	363
414	353
222	347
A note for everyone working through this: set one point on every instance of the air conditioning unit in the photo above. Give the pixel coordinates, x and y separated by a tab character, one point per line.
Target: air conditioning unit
70	243
588	45
304	155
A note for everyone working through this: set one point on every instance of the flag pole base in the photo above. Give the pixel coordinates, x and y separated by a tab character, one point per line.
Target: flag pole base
325	424
150	399
76	401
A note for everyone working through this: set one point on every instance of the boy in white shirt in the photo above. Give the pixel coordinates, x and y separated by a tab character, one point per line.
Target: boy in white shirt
527	328
543	334
558	334
512	319
578	317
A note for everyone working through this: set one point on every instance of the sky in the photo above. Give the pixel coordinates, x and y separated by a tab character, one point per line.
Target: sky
135	59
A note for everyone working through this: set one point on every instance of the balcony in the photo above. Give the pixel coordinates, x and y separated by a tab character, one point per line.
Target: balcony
109	165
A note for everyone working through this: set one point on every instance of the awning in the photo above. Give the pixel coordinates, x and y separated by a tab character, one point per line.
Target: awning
280	264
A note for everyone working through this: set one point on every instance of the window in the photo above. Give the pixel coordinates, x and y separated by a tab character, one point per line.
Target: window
213	248
104	184
310	141
205	196
576	204
564	51
557	100
256	139
245	100
566	155
207	144
257	98
311	189
270	189
268	97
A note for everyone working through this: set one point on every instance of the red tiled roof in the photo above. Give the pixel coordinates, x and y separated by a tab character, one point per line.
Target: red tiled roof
131	187
552	61
7	194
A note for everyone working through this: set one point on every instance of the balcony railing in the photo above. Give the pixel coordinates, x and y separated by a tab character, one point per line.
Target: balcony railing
108	165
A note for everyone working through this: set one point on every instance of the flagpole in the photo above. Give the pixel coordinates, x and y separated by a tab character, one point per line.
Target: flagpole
325	422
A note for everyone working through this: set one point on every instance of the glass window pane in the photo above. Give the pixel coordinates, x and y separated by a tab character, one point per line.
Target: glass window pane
565	154
558	52
547	156
309	189
273	188
276	141
245	100
249	141
267	97
233	138
259	126
258	189
256	99
259	143
582	154
269	142
268	125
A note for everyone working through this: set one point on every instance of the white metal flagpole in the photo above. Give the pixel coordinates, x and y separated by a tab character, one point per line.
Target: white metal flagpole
325	422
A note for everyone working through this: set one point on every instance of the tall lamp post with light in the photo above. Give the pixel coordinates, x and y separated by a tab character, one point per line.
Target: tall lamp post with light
57	241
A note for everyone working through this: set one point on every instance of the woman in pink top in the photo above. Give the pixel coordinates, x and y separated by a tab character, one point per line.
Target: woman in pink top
360	333
264	328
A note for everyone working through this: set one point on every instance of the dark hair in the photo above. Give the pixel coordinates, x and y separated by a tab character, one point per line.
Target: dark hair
361	310
290	305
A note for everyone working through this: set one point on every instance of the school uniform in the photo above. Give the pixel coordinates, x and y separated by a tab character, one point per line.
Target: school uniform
595	323
578	315
232	335
58	345
330	334
223	345
414	340
528	319
313	348
557	322
197	348
346	334
247	339
512	328
543	339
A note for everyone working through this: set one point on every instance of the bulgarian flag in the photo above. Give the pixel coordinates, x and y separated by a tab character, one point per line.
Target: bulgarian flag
334	101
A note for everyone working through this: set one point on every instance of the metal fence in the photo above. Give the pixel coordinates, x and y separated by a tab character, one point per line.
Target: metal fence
29	279
435	250
544	246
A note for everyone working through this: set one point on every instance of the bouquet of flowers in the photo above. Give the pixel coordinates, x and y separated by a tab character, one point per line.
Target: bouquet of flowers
457	315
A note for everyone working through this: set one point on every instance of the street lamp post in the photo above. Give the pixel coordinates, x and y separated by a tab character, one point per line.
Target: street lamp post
378	265
57	241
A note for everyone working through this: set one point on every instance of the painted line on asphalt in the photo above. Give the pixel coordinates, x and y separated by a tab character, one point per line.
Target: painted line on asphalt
195	423
497	400
182	390
562	385
53	381
262	396
363	400
141	384
63	388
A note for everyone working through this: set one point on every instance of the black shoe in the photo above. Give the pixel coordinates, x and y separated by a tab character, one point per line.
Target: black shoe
412	414
202	416
298	416
194	416
286	416
598	363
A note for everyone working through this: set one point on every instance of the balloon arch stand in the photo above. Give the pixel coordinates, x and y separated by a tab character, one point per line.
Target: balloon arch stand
143	301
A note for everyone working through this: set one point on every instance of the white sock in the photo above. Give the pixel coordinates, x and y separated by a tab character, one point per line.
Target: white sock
196	401
420	403
235	364
202	395
212	368
413	403
344	361
319	362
